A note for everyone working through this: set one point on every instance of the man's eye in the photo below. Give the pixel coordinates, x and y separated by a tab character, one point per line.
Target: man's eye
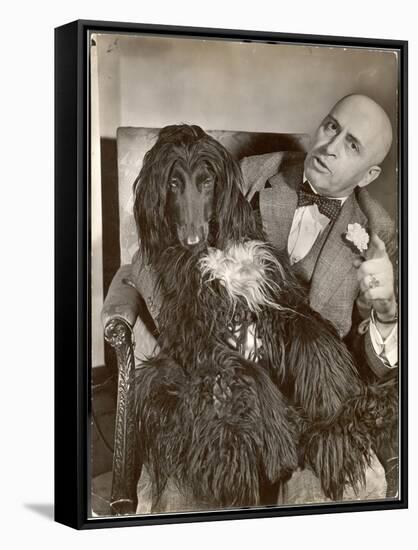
354	146
331	126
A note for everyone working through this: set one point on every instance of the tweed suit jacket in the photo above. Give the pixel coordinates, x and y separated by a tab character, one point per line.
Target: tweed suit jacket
333	287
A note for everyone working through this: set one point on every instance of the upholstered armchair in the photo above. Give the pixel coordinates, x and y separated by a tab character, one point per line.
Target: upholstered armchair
125	314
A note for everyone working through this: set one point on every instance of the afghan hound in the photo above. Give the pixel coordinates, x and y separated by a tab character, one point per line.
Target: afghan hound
249	383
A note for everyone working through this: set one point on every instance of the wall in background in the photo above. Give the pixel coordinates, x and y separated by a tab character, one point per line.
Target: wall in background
154	81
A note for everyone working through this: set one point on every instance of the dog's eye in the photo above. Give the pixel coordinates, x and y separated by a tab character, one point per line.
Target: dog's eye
208	182
174	183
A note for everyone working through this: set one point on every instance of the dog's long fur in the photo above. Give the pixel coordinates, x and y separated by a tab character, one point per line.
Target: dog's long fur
218	424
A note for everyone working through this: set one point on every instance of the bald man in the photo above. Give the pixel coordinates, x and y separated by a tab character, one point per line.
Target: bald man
306	205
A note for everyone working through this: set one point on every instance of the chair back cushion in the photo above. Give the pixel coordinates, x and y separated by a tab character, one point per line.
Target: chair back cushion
133	143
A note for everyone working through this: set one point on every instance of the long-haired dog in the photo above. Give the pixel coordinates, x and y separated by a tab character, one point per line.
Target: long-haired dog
249	382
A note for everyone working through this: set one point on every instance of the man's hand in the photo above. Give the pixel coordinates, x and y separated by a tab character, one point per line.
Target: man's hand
375	276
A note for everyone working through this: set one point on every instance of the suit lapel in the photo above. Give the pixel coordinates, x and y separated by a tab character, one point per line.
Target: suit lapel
336	258
278	203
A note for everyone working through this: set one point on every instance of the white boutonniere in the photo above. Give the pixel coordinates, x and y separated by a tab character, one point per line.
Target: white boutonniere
357	235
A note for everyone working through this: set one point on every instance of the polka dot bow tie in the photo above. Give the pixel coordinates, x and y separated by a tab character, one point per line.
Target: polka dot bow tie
329	207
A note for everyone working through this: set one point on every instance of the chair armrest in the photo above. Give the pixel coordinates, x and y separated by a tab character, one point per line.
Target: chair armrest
123	301
119	314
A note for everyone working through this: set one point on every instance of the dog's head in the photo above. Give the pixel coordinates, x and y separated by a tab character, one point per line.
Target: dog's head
189	193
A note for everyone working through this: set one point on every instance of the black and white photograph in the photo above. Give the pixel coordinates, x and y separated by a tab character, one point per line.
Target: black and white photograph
245	274
208	275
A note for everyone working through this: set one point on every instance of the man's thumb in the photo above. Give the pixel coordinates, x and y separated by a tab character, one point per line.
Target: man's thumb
376	249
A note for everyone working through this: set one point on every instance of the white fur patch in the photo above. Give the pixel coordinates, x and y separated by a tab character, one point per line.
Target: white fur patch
245	271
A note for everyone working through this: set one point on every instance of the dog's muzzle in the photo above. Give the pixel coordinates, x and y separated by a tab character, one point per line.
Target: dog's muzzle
191	237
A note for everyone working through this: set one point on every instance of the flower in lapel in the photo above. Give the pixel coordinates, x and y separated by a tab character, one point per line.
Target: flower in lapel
358	236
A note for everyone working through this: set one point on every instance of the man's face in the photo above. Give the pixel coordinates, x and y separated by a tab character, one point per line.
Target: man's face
344	149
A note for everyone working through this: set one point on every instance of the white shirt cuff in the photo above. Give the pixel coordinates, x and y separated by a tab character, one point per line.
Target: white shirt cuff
386	349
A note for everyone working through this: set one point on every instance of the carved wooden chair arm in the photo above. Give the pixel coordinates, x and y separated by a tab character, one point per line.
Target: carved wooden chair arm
119	314
118	334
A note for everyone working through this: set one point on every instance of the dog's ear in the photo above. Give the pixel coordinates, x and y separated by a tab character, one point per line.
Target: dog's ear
150	195
234	216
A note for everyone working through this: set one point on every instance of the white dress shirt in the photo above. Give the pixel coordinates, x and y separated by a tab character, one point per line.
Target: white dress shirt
308	223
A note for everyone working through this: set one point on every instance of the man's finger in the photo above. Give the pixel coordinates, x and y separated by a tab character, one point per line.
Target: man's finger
376	249
357	262
373	281
377	293
365	283
372	266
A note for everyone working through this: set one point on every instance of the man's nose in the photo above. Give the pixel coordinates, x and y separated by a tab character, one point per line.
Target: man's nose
332	147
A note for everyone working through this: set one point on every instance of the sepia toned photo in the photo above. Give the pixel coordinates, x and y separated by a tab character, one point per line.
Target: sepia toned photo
245	274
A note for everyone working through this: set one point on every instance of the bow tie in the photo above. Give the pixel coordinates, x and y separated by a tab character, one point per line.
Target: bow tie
329	207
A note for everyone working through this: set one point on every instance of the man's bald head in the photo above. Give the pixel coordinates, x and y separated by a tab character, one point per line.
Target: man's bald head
348	147
375	116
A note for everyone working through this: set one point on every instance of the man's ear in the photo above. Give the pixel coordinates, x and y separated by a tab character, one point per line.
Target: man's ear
372	173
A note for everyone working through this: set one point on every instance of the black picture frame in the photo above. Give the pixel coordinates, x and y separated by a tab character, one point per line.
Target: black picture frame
72	272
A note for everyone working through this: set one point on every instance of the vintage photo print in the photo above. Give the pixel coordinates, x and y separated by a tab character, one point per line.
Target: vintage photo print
244	274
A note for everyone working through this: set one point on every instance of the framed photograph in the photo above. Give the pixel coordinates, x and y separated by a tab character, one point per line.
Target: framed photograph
231	274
